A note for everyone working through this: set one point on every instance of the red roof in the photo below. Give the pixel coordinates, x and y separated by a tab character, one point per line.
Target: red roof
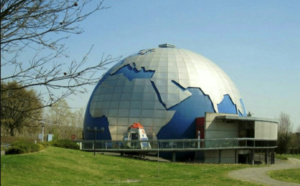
136	126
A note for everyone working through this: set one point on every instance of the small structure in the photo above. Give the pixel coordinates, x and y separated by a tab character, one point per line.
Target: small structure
257	135
50	137
136	132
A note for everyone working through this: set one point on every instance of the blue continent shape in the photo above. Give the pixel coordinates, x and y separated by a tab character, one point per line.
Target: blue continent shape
228	107
182	124
133	73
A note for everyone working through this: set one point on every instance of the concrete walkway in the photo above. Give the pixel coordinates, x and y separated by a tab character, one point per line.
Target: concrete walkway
259	174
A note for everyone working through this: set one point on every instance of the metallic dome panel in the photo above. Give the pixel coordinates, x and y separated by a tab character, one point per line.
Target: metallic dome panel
164	89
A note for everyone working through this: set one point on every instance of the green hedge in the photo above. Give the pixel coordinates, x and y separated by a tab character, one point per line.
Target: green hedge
69	144
21	147
25	146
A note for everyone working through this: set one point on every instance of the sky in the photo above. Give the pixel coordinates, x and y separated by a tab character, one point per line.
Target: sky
257	43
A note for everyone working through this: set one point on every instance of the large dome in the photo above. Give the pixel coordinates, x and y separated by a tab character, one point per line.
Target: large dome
165	89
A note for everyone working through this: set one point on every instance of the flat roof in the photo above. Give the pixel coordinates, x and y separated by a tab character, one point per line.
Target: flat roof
243	118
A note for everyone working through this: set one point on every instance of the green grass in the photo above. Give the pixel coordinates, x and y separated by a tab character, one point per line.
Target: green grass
286	156
288	175
58	166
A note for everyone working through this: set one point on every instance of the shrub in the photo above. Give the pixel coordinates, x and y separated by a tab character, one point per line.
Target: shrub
65	144
21	147
281	156
45	144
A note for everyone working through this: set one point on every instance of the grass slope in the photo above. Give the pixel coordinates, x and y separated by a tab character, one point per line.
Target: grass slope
286	156
58	166
289	175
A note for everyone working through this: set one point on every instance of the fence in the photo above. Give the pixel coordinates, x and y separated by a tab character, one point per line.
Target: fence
176	144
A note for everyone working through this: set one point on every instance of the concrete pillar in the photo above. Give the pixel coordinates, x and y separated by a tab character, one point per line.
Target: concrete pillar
272	156
173	156
235	155
266	156
252	157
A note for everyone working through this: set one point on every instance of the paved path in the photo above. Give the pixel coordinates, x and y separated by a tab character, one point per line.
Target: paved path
259	174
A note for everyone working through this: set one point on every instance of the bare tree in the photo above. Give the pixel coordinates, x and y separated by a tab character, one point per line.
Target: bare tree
42	26
285	124
285	135
61	121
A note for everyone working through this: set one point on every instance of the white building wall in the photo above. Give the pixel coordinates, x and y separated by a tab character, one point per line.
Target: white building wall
265	130
227	156
218	128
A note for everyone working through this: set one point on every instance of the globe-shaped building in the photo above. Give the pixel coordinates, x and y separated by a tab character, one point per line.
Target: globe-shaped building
165	89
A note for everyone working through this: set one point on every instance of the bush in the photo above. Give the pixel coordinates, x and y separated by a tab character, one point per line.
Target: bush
45	144
281	156
21	147
65	144
14	139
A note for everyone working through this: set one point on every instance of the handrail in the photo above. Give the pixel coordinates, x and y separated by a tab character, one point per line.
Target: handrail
176	144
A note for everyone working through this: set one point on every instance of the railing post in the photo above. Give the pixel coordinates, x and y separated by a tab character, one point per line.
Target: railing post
173	156
199	137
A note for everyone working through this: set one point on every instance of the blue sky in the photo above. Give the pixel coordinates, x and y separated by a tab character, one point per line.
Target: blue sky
257	43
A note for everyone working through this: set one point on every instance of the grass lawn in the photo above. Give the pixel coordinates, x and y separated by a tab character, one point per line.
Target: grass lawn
58	166
289	175
286	156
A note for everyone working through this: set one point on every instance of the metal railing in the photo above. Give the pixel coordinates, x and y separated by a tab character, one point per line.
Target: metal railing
176	144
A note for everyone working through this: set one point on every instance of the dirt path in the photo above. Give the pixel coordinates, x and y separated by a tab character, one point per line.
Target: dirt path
259	174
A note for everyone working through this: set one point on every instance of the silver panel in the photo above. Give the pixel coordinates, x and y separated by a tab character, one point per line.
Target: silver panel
147	113
123	113
121	121
135	113
136	105
138	88
126	96
114	120
148	104
137	96
114	105
147	122
149	96
124	104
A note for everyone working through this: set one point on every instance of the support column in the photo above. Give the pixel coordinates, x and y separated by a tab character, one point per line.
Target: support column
272	157
252	157
266	156
235	156
220	154
173	156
